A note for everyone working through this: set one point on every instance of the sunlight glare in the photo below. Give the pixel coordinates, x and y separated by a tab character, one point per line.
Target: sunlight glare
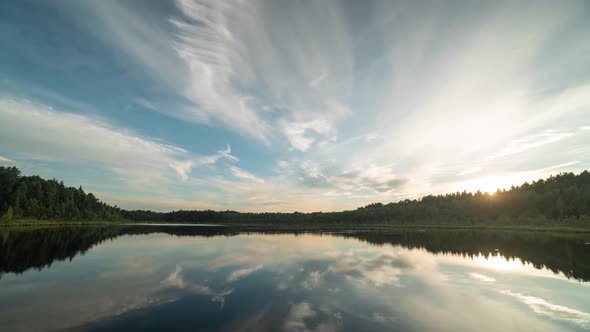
491	183
498	262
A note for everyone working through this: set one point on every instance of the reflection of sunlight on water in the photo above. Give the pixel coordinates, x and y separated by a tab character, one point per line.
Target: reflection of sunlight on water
498	262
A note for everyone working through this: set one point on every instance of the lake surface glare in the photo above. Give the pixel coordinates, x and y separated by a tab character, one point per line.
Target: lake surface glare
157	278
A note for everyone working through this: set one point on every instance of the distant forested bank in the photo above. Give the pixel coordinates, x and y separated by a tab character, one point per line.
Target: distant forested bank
562	200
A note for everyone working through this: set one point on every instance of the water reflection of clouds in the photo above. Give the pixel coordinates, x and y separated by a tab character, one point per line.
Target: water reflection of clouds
382	267
176	280
331	281
312	279
481	277
240	273
555	311
300	315
296	318
372	270
81	301
355	263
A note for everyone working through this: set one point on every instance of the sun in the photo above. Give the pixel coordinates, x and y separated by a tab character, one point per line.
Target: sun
491	183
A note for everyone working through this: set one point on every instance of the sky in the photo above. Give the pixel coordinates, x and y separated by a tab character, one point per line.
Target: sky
293	105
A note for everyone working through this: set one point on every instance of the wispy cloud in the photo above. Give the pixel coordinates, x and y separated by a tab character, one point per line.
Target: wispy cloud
469	171
530	142
209	46
318	80
233	62
242	174
183	168
43	133
160	201
376	178
358	106
6	161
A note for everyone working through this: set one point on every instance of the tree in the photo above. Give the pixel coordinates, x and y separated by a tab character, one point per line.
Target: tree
8	215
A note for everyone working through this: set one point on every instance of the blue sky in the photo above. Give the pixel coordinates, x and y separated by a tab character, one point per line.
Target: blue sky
293	105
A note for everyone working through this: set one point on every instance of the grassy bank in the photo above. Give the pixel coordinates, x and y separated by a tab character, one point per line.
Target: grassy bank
328	227
386	227
35	222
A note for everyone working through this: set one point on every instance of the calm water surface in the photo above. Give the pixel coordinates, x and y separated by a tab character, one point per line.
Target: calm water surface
214	279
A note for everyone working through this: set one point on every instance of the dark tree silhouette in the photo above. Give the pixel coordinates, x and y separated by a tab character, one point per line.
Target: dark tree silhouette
561	200
35	198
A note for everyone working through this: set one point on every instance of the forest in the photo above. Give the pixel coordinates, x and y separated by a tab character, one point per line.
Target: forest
563	200
31	197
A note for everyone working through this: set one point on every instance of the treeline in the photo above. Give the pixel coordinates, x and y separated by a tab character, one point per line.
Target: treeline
31	197
563	199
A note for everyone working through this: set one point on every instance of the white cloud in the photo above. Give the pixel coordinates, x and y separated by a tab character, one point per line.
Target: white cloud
242	174
42	133
300	134
131	30
350	97
371	137
183	168
6	161
45	133
318	80
282	164
375	178
530	142
211	50
162	201
308	128
469	171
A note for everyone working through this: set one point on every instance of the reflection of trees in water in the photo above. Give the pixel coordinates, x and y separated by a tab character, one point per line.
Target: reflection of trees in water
22	249
567	253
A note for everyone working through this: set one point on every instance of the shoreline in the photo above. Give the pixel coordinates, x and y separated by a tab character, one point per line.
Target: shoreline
327	227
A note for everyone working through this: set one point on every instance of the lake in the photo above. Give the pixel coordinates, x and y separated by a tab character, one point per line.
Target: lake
178	278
